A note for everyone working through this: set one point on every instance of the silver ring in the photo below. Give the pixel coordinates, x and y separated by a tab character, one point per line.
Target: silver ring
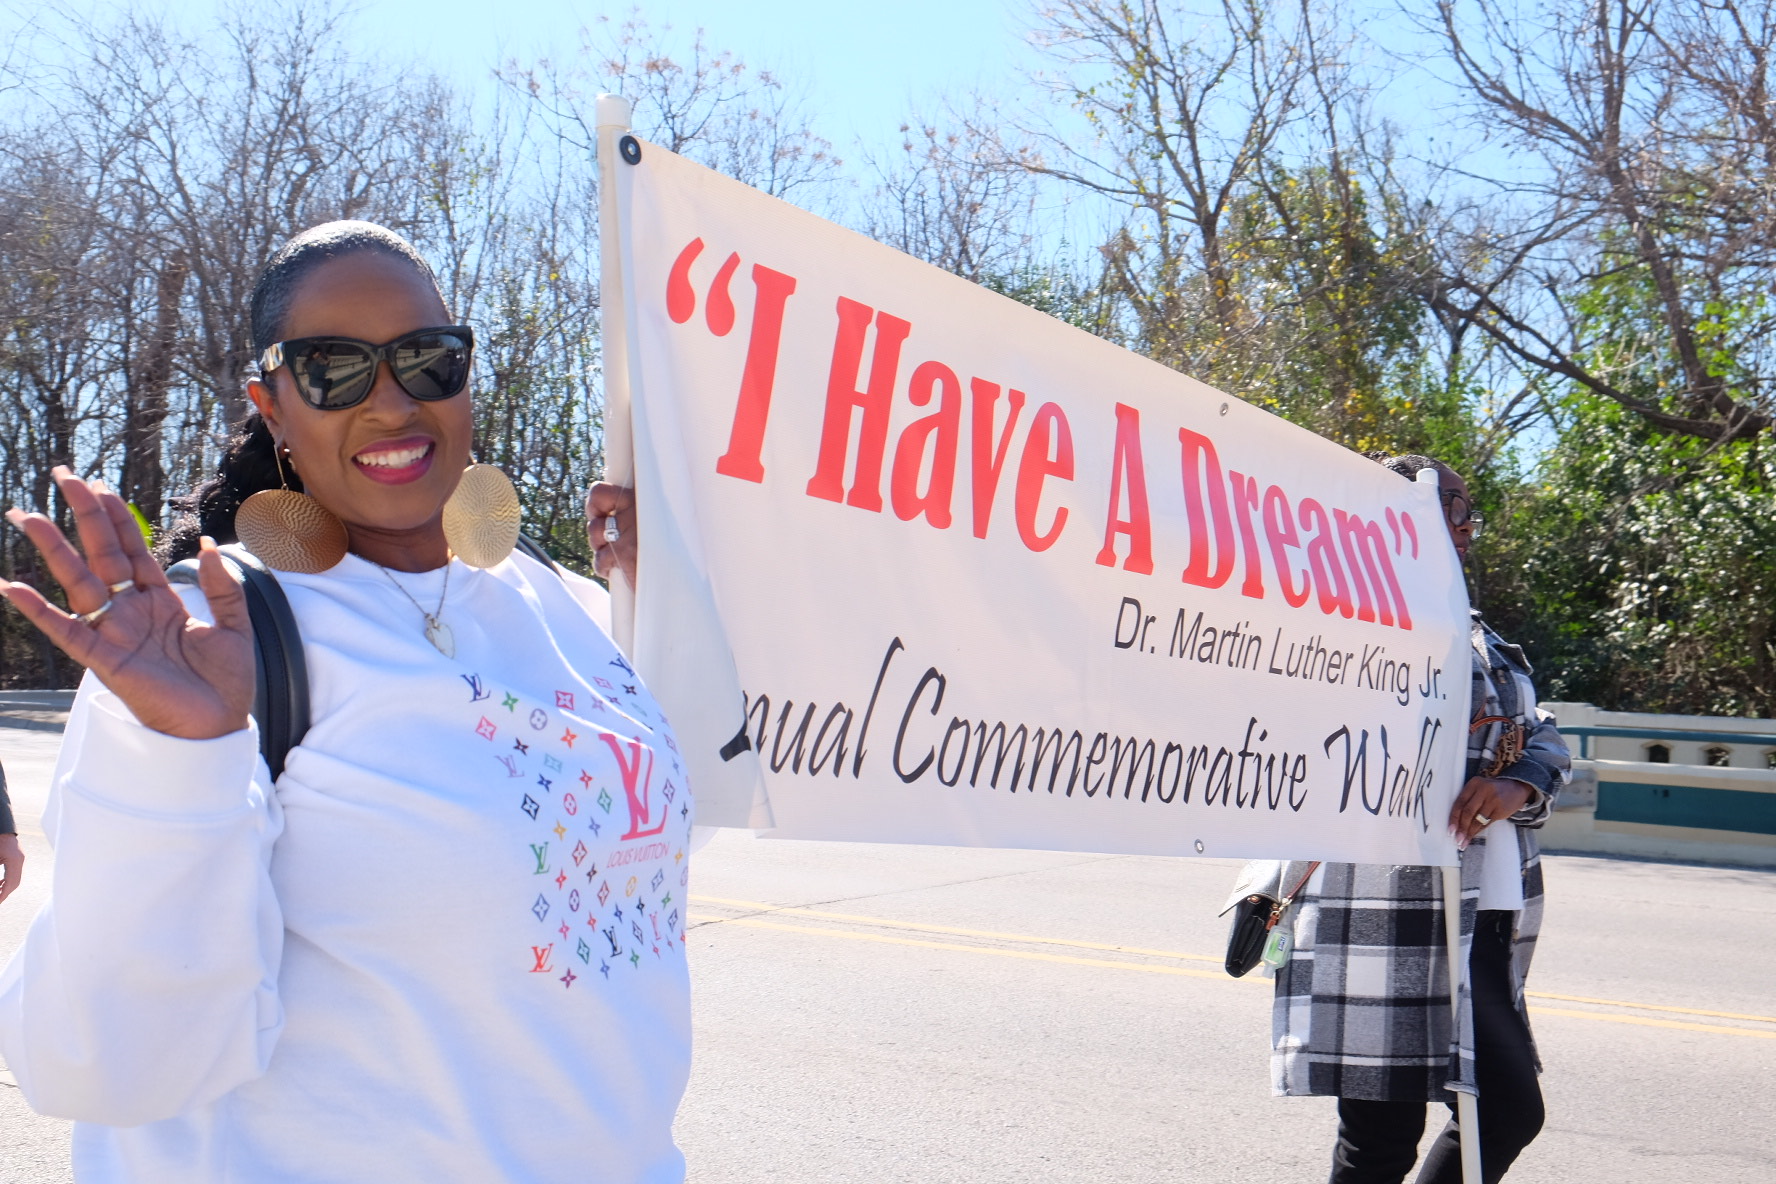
1483	820
91	620
121	586
611	533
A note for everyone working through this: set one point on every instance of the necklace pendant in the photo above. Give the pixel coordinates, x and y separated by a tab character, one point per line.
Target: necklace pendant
442	639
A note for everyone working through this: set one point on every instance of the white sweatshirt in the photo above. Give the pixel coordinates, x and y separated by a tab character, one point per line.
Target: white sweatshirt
448	946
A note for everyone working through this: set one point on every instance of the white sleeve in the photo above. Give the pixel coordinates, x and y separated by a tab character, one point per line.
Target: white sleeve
147	986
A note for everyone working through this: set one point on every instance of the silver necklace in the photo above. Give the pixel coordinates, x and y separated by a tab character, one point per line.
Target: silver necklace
436	631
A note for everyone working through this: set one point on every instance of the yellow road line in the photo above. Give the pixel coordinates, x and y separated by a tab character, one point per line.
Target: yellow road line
1026	955
888	924
1651	1023
1719	1015
883	922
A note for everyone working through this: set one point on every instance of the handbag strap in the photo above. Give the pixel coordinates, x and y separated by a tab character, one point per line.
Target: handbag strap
1282	906
1510	742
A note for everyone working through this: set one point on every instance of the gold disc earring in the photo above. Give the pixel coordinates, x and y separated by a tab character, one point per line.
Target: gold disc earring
290	531
481	518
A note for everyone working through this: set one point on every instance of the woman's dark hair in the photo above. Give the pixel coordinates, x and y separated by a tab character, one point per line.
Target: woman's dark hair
1408	465
248	463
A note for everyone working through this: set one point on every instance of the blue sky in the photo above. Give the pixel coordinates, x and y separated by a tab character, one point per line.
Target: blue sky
863	67
860	69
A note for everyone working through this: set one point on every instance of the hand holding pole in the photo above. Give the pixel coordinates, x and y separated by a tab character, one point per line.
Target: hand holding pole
613	118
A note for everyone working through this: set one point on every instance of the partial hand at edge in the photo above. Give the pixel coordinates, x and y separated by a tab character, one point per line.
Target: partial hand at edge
12	865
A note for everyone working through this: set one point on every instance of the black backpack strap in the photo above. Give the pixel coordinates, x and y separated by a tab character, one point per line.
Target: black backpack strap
535	550
280	692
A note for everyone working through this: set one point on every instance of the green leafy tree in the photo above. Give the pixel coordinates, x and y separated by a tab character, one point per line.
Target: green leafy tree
1641	569
1643	563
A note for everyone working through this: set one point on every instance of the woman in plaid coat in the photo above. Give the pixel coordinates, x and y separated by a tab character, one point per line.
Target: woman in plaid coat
1362	1007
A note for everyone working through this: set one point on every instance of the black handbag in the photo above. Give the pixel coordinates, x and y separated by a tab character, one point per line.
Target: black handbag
1253	919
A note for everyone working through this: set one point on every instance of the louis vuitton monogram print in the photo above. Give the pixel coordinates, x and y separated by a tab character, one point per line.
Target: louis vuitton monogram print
600	803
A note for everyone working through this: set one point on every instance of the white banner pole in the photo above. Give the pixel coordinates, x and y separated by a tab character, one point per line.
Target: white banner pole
613	115
1467	1106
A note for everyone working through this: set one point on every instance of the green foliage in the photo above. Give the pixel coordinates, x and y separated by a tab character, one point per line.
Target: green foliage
1645	562
1336	326
1647	577
1318	316
1058	291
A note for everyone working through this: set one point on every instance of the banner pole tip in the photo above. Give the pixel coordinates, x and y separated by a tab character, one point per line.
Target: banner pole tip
614	111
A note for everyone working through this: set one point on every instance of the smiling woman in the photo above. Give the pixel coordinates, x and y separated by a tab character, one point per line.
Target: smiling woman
341	415
385	462
386	963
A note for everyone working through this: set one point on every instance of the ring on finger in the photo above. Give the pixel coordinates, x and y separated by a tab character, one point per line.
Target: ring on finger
1483	820
611	530
91	620
121	586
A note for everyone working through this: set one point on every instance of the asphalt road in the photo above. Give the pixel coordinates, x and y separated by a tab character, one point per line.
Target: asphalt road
875	1013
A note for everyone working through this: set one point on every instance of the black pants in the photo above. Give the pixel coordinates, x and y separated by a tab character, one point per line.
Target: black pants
1378	1141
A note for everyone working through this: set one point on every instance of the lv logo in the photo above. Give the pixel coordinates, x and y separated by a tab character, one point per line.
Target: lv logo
638	773
541	851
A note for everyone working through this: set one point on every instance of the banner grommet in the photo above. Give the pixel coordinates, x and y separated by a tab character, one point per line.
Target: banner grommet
630	149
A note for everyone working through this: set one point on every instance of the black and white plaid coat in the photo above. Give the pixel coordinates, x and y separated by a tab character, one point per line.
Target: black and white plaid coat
1362	1006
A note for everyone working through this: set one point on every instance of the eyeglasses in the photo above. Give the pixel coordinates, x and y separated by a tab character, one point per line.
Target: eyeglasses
333	373
1461	512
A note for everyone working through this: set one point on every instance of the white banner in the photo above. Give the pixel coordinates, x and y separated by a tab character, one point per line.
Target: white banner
988	580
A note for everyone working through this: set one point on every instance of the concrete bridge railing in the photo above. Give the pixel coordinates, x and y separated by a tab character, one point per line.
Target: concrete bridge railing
1707	793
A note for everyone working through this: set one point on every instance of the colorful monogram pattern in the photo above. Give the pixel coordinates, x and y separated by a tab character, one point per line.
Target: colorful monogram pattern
605	815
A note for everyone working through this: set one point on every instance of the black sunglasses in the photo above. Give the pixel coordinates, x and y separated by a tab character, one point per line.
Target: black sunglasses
1460	512
333	373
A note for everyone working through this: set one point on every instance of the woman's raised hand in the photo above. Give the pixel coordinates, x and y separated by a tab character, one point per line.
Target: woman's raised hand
178	675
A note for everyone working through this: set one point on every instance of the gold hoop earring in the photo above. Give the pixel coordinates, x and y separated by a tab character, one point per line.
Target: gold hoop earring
290	531
481	518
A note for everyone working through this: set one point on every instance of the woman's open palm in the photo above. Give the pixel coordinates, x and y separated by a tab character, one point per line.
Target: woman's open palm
177	674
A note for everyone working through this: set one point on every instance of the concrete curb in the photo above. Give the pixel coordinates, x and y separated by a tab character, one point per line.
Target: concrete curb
10	720
37	711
